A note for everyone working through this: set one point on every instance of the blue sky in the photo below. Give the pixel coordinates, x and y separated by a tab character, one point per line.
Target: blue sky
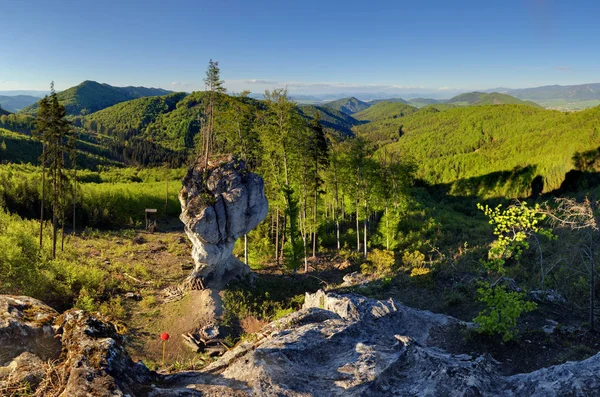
310	46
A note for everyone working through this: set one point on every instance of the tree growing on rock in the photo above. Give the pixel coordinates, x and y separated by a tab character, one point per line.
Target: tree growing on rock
214	86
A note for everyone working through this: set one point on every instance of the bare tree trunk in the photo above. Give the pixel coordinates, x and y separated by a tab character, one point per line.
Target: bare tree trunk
315	227
54	217
62	232
387	230
43	194
167	197
246	249
357	229
304	234
277	237
74	202
365	230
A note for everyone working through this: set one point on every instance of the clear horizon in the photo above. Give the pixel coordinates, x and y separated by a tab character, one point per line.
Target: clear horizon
313	48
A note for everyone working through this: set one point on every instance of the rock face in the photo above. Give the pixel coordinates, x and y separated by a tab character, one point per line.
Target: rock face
337	345
86	351
349	345
219	206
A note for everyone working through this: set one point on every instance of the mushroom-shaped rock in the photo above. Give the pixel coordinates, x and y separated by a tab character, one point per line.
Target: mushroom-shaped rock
220	204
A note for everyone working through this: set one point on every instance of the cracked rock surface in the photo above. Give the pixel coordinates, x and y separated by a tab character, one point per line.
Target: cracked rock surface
337	345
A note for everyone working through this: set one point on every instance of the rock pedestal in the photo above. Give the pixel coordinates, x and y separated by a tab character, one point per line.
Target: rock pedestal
219	205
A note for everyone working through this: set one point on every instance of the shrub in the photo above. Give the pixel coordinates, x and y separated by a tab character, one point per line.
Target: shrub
503	309
381	263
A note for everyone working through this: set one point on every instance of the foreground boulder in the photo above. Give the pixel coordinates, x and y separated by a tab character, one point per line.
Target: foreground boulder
337	345
73	354
218	206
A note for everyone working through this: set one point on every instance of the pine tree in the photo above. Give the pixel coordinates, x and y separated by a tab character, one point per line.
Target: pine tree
214	86
319	159
58	140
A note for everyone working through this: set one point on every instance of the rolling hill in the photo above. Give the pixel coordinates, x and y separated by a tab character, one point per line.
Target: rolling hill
499	150
422	102
90	96
4	112
17	102
481	98
383	110
347	105
375	101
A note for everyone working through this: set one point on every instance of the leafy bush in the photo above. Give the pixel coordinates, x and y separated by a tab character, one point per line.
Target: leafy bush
503	309
381	263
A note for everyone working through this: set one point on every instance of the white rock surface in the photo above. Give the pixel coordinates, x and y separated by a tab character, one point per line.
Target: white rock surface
218	207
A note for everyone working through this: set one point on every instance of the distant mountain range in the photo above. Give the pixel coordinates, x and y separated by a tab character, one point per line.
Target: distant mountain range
91	96
17	102
398	107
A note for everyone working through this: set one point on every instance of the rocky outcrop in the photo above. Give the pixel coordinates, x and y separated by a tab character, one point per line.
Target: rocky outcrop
73	354
219	205
337	345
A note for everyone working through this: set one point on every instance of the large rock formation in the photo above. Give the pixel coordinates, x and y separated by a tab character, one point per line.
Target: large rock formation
337	345
219	205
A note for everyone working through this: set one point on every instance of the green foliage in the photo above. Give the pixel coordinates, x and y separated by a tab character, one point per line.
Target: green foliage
512	227
414	259
490	151
381	263
503	309
384	110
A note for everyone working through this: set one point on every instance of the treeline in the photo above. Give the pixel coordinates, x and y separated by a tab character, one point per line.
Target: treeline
115	198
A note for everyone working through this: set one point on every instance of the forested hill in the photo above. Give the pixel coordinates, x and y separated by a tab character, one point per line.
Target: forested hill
336	122
491	150
91	96
385	109
481	98
17	102
4	112
347	105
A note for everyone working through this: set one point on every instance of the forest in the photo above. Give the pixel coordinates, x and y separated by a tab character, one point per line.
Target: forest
464	208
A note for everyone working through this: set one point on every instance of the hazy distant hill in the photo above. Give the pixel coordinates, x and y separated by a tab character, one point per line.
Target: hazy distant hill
421	102
17	102
385	109
482	98
347	105
374	101
93	96
582	92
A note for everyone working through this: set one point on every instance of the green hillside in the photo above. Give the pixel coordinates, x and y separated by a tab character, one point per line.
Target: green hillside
17	102
333	120
421	102
374	101
4	112
494	150
347	105
134	116
481	98
382	110
90	96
